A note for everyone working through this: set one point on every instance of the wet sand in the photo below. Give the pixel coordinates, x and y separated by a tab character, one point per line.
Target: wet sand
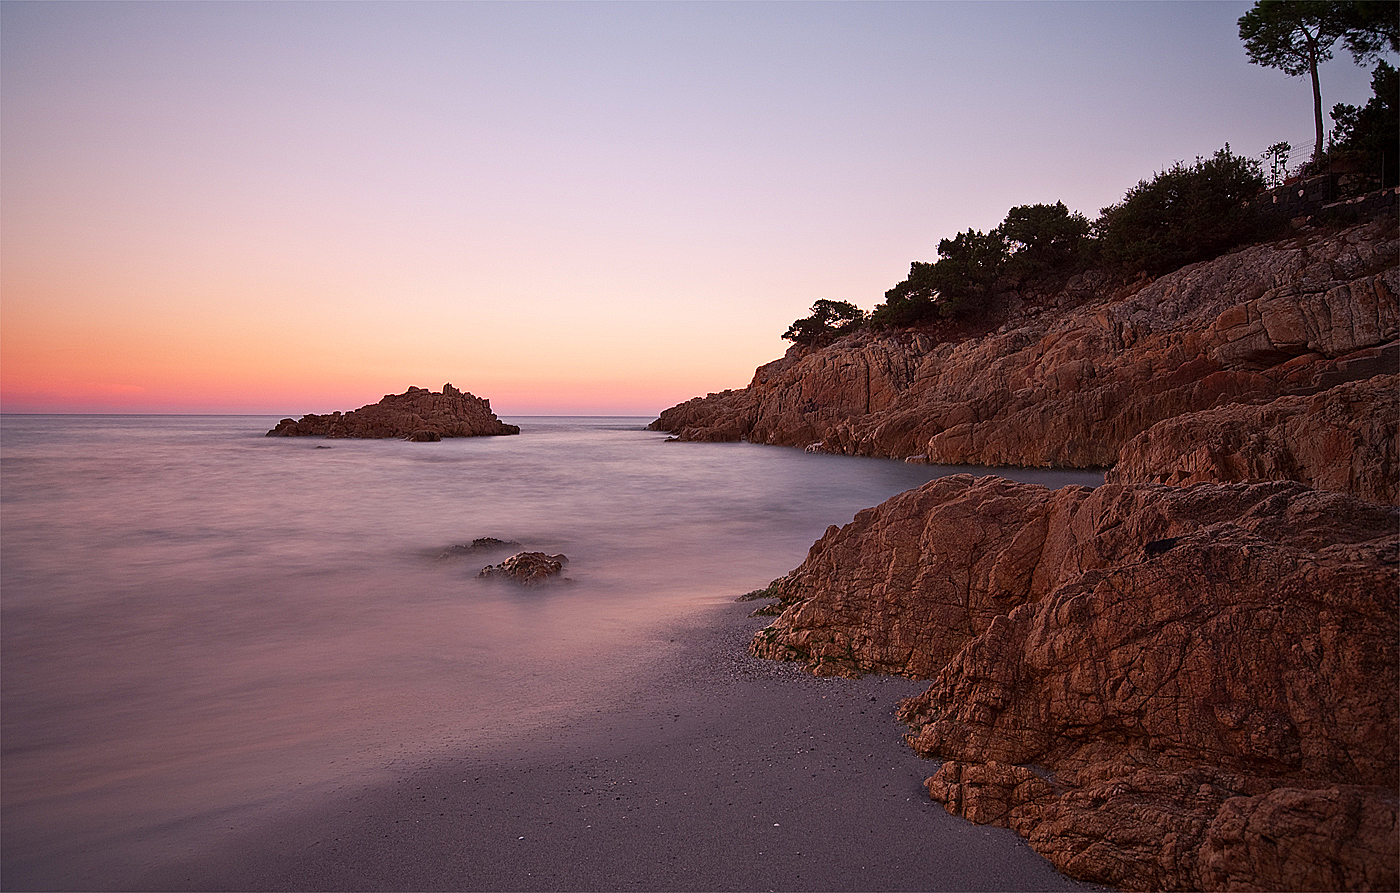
728	773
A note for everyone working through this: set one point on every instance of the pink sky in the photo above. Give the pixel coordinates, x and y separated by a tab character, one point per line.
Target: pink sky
566	208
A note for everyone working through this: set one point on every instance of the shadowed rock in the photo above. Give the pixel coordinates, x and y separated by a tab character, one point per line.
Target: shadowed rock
477	546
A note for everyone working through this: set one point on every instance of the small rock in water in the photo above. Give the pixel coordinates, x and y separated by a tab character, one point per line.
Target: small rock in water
480	544
529	568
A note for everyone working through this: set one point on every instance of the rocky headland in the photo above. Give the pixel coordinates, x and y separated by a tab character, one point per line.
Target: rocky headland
417	414
1187	678
1073	376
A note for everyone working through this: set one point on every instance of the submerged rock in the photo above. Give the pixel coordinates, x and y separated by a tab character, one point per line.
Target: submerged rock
528	568
477	546
1160	687
417	415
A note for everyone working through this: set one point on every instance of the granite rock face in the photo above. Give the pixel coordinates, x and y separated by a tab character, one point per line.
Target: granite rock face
1069	383
1343	439
1160	687
417	414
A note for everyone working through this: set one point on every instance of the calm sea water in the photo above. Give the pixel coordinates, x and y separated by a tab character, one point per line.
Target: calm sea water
198	621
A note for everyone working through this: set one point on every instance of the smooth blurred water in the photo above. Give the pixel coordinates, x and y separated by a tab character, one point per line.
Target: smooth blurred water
197	621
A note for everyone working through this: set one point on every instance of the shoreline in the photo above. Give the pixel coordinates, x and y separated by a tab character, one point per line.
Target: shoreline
727	772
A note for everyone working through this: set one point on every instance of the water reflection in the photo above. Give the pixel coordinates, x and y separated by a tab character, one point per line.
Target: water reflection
199	621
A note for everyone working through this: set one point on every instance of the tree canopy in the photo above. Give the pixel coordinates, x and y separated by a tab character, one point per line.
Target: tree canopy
1373	130
1296	36
1373	27
1043	237
828	320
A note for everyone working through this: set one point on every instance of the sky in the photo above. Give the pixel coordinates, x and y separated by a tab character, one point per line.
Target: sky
566	208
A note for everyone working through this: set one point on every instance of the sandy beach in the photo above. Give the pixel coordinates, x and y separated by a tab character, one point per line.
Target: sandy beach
729	773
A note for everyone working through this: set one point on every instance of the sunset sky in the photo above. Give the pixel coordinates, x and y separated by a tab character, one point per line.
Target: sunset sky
596	208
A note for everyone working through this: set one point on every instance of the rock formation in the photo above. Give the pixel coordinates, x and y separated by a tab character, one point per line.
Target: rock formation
1342	439
527	568
1069	381
1188	678
417	414
1159	687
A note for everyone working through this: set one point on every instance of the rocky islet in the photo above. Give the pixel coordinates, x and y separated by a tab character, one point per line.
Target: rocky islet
527	568
417	415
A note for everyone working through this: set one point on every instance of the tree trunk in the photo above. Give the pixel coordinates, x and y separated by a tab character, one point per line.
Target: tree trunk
1317	105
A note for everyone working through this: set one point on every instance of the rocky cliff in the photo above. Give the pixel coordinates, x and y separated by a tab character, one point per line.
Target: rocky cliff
1069	381
1189	677
1159	687
416	414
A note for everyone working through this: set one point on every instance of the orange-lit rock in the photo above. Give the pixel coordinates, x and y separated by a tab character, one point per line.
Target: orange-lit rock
1343	439
1069	382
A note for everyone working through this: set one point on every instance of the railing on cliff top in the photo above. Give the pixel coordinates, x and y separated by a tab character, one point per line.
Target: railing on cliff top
1318	195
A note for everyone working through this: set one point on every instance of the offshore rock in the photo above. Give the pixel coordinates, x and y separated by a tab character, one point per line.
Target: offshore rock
417	414
1343	439
477	546
1159	687
1067	383
527	568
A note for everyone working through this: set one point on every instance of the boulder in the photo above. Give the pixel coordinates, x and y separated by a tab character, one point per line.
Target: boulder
417	414
527	568
477	546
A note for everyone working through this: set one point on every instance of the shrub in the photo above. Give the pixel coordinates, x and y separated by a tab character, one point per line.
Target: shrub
1373	130
1044	238
1184	214
829	319
961	283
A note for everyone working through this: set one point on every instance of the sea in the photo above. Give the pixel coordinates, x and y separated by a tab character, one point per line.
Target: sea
199	624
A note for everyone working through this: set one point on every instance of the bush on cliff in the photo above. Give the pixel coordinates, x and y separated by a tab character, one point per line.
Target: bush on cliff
829	320
1184	214
961	283
1044	239
1032	241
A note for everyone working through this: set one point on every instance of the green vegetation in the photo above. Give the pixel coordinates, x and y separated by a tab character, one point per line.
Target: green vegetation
962	280
1184	214
1296	36
1033	241
1044	238
1372	132
829	320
